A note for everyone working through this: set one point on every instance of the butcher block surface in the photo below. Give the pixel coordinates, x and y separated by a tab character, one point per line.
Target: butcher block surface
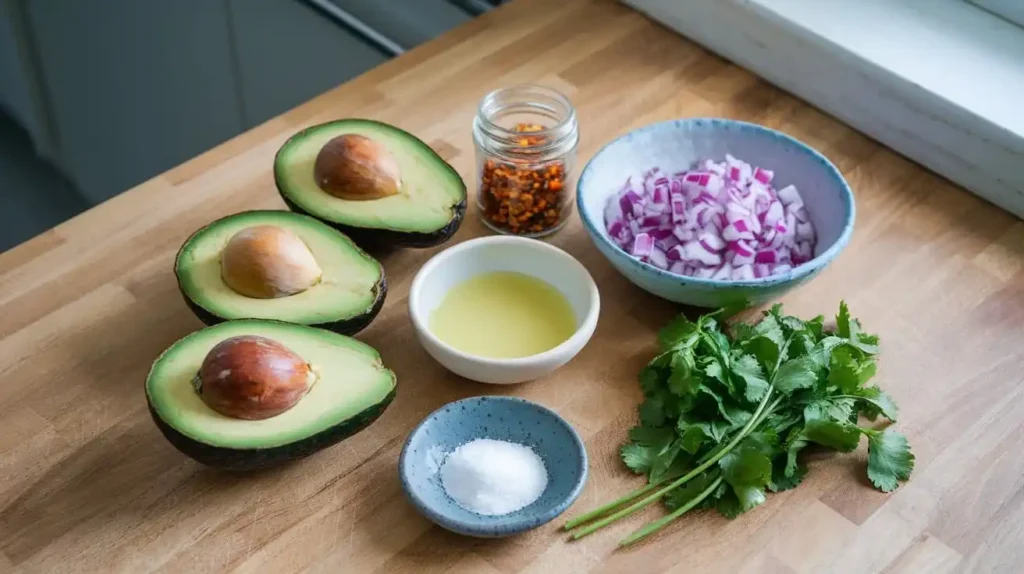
88	484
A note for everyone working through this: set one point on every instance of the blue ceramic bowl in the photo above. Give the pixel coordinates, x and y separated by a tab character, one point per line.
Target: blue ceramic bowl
500	418
677	145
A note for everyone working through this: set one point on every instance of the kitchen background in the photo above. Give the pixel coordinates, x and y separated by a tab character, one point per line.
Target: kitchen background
97	96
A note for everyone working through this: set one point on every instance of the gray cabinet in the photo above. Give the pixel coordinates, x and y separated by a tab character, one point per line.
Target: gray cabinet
117	91
134	87
408	23
288	53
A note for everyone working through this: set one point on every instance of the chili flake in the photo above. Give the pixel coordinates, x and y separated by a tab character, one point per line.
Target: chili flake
523	197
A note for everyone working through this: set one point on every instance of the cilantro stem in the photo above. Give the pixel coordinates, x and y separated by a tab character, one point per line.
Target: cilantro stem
661	522
595	526
611	505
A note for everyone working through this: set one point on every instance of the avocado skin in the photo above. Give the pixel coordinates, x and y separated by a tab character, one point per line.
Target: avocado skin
253	459
380	237
367	237
349	326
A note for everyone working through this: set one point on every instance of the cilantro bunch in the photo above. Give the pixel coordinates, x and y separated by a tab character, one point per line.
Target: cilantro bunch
724	418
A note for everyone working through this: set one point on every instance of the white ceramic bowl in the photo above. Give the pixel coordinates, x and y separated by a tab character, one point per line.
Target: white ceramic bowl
503	253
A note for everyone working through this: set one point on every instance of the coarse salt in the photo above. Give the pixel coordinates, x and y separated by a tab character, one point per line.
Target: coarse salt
493	477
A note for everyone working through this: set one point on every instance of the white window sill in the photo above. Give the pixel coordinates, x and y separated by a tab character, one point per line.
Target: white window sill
941	81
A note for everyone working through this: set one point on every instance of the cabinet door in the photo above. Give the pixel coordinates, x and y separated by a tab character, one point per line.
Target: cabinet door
408	22
289	53
135	86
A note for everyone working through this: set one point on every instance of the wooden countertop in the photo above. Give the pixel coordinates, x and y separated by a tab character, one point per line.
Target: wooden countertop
88	484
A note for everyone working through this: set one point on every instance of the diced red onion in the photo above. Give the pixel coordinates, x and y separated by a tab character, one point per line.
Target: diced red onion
682	233
766	256
658	258
789	195
804	231
676	253
722	221
631	203
642	245
660	233
711	242
773	214
713	167
694	251
651	208
678	209
666	243
723	273
743	272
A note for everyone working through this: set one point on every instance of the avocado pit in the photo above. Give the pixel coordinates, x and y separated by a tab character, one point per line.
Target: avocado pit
266	262
355	167
252	378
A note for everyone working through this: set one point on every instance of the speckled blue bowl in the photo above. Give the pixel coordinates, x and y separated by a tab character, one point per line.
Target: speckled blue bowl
676	145
499	418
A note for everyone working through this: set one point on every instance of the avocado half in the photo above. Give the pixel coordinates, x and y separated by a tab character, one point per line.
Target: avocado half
352	390
426	211
349	295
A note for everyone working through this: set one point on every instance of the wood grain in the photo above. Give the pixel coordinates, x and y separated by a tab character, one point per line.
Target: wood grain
87	484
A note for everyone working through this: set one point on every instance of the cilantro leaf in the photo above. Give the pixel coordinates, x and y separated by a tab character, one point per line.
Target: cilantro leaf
843	321
889	459
836	408
660	437
795	374
847	372
692	437
716	429
816	327
794	444
714	371
730	411
821	353
850	329
663	461
764	441
718	341
677	333
860	340
741	332
680	496
841	436
782	422
792	324
802	343
684	378
746	466
780	480
650	380
739	499
874	402
842	370
749	370
637	457
652	411
764	350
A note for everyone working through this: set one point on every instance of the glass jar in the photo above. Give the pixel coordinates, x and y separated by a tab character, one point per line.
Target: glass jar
526	138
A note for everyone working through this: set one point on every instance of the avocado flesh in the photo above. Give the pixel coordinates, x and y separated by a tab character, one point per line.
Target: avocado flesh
352	382
349	294
427	209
